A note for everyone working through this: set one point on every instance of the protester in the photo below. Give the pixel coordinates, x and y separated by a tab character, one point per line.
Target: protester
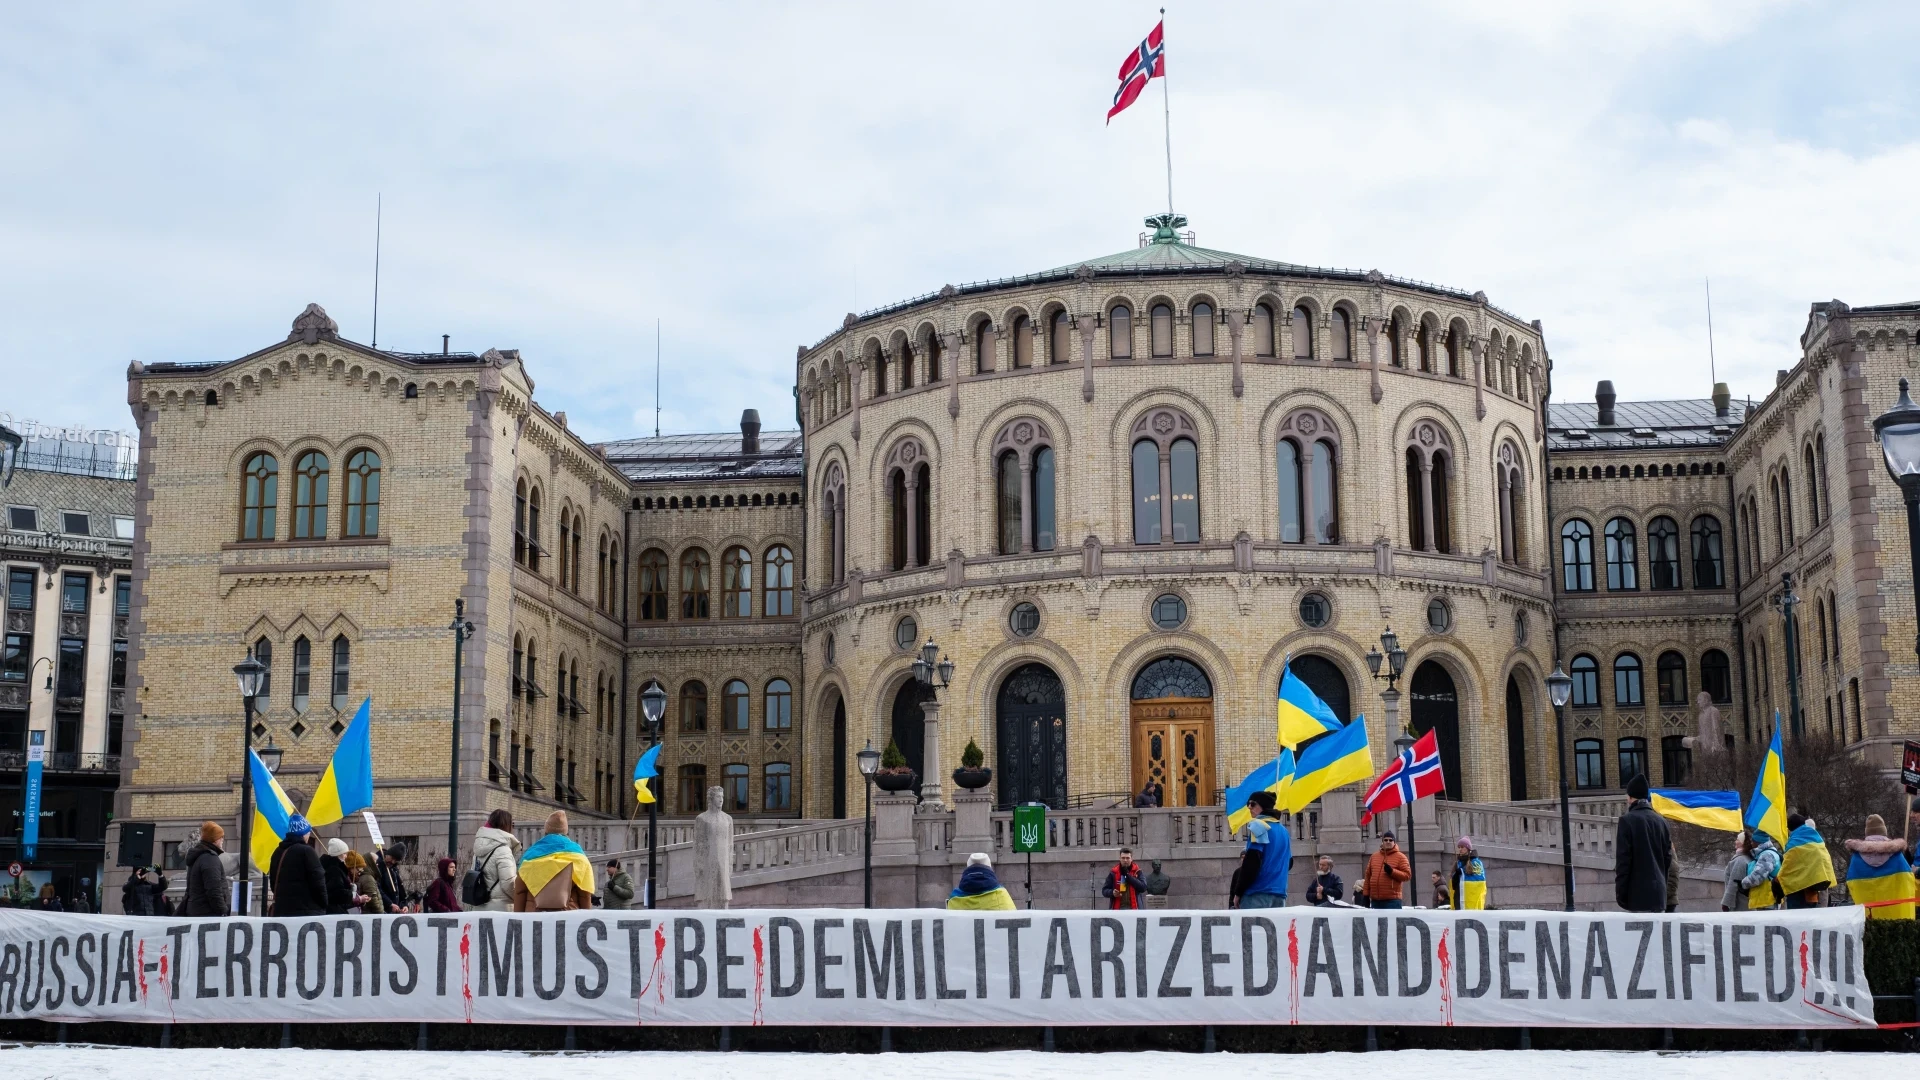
1738	867
1149	797
81	902
1806	869
1762	881
1468	879
496	854
49	899
1386	875
1642	851
1261	880
207	892
333	865
385	863
144	892
619	894
444	894
294	873
1326	887
554	874
979	889
1879	874
1125	884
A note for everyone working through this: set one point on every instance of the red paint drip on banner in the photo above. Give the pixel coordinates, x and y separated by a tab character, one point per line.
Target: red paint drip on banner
1293	970
166	988
1803	963
466	970
659	959
1446	980
759	976
140	965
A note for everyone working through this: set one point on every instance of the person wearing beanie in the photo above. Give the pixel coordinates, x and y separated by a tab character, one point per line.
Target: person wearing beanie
1879	873
207	892
333	867
1469	878
1642	853
979	889
619	894
294	874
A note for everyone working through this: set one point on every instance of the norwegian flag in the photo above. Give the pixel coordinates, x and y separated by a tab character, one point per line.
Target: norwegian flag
1414	775
1149	61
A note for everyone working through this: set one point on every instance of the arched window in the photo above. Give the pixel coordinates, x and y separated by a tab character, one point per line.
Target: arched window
1510	492
696	581
612	572
302	673
777	598
1306	463
1060	344
1663	553
905	352
834	511
342	658
1576	556
566	550
736	584
1292	493
1781	536
733	787
1340	334
778	793
1709	570
877	360
1396	341
310	475
1826	483
1423	346
693	706
520	521
1626	681
1023	488
1456	344
1672	668
653	585
579	528
1633	759
1429	458
733	706
923	515
1022	341
1262	330
909	492
1203	319
1589	768
1716	676
1007	501
259	497
1623	555
1120	332
1162	330
1586	682
1186	491
263	652
934	366
1813	488
1043	514
1302	334
533	530
363	494
779	714
1146	492
983	348
898	517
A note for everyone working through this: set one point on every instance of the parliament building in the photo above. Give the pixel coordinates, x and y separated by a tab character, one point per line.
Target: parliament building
1120	496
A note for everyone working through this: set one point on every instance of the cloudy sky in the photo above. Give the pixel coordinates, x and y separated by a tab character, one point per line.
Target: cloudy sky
177	182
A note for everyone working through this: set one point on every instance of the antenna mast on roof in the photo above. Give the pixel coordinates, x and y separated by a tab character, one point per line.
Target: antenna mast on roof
656	377
1713	369
377	199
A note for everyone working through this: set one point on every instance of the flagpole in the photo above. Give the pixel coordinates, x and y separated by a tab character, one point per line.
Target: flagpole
1166	106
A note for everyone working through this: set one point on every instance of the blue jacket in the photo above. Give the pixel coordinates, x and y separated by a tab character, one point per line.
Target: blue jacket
1268	839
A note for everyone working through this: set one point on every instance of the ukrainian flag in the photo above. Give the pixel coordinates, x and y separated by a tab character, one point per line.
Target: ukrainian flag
1767	810
1806	864
270	809
644	770
1303	715
1341	757
347	785
549	857
1275	776
1707	809
1891	880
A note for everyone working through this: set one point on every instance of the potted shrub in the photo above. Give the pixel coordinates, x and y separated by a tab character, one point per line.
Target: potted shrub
893	773
972	773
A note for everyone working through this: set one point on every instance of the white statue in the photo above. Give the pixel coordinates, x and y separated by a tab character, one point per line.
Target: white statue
1710	741
713	854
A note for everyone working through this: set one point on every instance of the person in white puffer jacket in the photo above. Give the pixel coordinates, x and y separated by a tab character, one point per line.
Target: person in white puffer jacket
496	851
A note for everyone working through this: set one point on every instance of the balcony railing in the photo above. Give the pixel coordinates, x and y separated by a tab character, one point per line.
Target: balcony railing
64	762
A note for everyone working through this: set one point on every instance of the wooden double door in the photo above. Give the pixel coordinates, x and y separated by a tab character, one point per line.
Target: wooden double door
1173	747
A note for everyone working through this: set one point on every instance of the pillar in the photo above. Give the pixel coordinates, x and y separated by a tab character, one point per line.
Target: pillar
931	799
1166	495
912	479
1426	504
1026	504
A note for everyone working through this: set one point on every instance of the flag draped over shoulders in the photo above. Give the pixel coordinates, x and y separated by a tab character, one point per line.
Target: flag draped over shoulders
979	889
553	855
1806	865
1890	881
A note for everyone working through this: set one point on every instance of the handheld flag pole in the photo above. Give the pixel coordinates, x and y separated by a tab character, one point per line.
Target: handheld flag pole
1166	112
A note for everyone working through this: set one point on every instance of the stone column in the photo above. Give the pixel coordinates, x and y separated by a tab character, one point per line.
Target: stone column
1085	324
1026	504
911	476
837	510
1236	327
1373	325
931	798
1508	551
1479	346
1166	495
854	386
1428	542
1390	708
950	345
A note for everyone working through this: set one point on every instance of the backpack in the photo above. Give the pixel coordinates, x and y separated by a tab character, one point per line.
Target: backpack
474	890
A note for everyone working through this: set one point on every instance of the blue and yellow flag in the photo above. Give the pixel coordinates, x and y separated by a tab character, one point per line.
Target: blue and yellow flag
347	785
1303	715
270	809
1806	864
1767	810
1888	884
1328	762
1707	809
553	855
1275	776
644	770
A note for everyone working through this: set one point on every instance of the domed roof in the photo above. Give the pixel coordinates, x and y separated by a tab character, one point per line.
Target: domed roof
1168	251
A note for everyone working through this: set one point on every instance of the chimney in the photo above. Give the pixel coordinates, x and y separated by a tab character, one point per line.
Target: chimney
750	431
444	338
1722	401
1604	397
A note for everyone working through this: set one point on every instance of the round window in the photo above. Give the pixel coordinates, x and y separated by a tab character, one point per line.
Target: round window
829	649
1520	628
906	633
1438	617
1024	620
1315	610
1169	611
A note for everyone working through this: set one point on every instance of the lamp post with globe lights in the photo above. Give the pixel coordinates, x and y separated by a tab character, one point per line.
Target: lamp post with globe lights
935	672
653	706
1559	689
462	630
869	760
251	674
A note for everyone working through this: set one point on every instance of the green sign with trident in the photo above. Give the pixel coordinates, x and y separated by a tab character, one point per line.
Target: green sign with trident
1030	828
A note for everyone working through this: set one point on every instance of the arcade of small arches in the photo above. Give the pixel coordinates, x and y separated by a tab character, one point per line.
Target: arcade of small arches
1763	546
1706	558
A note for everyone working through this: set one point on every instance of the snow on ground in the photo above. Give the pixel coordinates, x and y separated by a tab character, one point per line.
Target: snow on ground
89	1063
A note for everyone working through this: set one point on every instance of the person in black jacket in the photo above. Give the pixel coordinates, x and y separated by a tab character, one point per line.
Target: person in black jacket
207	893
1326	889
299	888
1642	853
385	864
145	892
333	869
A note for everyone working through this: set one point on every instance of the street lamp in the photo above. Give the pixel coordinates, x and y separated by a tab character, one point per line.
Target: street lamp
1395	658
462	630
1784	602
869	761
1899	432
270	755
251	674
1559	690
934	672
653	706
